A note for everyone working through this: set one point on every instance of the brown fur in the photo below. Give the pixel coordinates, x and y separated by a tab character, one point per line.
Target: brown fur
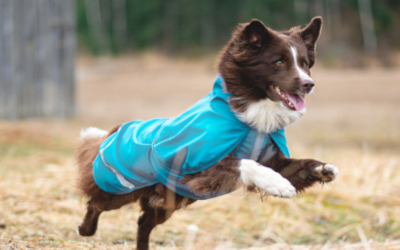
222	176
241	65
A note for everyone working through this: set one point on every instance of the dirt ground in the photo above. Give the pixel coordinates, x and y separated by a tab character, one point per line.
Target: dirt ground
352	121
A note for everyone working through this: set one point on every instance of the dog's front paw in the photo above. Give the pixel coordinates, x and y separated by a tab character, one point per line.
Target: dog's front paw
325	173
265	179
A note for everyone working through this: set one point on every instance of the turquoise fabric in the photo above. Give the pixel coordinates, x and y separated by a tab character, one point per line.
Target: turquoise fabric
143	153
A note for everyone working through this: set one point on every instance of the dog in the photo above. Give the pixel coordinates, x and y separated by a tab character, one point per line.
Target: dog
232	137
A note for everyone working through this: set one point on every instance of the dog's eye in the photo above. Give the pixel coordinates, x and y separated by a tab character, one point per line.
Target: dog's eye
279	63
304	64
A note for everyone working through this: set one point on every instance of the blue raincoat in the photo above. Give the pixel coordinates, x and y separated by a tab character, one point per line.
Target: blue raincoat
143	153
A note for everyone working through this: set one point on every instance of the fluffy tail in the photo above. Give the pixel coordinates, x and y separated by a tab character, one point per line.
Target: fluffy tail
92	133
86	152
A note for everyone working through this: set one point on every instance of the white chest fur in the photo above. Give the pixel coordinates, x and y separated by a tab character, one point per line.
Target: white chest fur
267	116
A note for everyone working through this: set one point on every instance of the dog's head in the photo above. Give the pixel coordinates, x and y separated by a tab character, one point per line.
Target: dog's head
259	64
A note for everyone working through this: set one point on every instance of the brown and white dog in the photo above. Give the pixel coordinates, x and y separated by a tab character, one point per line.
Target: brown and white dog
268	73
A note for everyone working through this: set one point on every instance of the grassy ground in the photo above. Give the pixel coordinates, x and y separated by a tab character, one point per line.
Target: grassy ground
352	121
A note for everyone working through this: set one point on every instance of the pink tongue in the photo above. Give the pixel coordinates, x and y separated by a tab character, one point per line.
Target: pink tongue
298	102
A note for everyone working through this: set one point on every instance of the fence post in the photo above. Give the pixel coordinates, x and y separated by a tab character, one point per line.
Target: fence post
37	56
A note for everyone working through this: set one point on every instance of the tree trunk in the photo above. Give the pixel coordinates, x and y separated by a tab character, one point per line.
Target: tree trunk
367	26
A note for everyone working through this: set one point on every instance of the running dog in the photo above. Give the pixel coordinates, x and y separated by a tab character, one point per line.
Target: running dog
232	137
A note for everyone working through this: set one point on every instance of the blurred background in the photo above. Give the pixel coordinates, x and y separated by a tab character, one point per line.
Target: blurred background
69	64
193	28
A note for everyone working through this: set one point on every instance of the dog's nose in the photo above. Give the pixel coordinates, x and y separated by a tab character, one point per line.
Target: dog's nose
307	86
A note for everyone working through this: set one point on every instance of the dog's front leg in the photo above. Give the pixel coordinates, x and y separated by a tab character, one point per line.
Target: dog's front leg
267	181
302	173
230	173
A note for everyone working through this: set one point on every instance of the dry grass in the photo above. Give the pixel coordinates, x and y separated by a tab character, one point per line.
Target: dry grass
352	122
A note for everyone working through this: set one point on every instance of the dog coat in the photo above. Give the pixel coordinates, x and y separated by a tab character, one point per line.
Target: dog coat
143	153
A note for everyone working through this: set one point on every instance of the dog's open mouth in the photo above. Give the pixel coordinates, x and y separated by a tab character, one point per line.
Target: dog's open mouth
292	101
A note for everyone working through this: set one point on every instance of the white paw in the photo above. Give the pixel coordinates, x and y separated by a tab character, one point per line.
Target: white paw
326	173
265	179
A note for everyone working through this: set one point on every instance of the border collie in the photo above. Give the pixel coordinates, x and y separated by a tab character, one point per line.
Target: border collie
232	137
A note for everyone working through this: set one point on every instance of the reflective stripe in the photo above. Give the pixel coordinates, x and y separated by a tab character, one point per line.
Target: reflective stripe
258	146
269	150
121	179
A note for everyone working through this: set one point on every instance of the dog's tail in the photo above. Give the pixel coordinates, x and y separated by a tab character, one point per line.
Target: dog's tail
86	152
92	133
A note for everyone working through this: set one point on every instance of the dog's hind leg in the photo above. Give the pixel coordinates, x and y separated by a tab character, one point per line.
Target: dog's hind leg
96	206
150	218
89	224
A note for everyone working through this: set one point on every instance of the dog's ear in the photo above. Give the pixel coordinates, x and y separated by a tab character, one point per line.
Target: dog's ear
256	34
311	33
247	41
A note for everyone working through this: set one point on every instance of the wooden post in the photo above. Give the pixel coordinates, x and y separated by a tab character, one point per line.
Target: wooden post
37	55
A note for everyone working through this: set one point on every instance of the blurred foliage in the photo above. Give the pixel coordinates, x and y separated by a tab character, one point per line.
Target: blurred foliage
115	26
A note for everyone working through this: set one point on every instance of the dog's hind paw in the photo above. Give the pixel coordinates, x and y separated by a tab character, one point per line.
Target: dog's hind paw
325	173
87	231
265	179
